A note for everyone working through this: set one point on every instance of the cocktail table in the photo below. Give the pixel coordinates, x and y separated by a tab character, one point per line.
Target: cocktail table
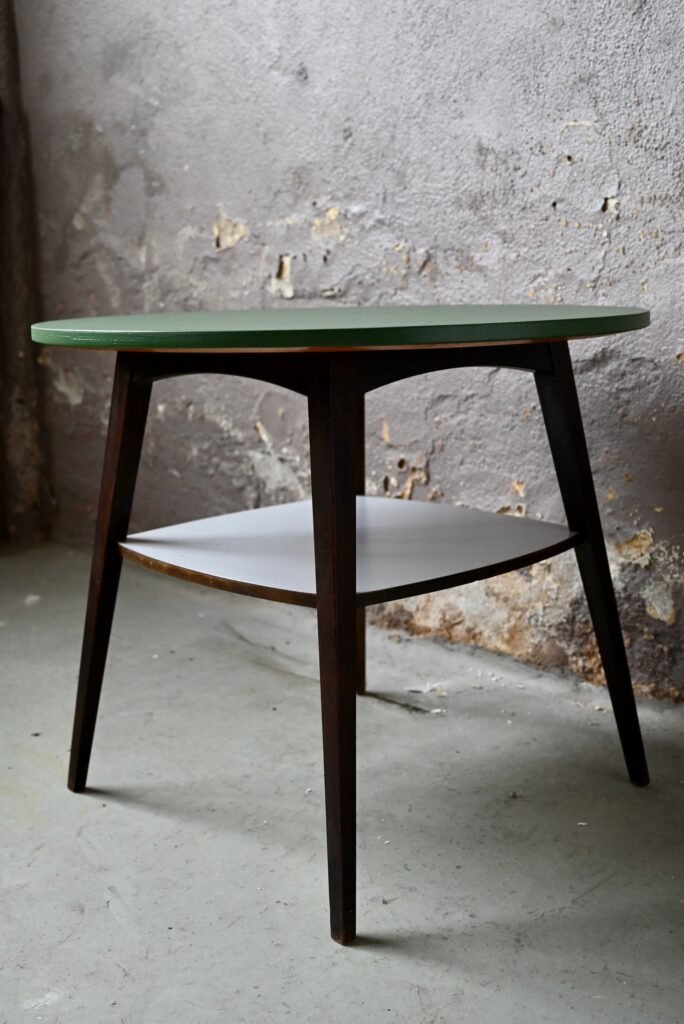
342	551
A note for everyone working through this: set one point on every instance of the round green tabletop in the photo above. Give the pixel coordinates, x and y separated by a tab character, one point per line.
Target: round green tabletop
348	327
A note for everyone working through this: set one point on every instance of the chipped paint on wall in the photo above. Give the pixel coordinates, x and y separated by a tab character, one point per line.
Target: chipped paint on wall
227	232
281	284
397	264
518	488
330	225
273	467
636	549
408	474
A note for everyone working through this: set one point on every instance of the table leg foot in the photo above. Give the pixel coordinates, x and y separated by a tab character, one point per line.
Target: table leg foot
332	430
598	587
128	414
563	420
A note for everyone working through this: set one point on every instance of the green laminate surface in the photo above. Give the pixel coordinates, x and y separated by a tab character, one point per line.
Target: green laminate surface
340	327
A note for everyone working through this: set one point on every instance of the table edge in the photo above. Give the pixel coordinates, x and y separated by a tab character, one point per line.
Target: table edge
345	339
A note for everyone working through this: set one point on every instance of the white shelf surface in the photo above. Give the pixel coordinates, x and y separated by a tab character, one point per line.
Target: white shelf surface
402	548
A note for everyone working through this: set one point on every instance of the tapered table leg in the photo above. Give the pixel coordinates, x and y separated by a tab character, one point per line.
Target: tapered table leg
563	420
333	423
128	413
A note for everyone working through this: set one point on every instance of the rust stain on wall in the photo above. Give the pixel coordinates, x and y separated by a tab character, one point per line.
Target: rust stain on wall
637	548
538	615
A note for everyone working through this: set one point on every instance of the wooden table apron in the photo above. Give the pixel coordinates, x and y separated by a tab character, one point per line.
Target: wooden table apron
335	383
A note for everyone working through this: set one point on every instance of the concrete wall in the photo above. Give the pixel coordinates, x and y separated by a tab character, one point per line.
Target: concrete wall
222	153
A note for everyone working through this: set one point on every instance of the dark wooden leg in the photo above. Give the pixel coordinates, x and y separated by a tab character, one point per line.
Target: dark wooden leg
333	422
563	419
360	487
127	416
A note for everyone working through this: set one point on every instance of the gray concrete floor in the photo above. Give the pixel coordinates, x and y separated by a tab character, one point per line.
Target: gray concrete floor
507	870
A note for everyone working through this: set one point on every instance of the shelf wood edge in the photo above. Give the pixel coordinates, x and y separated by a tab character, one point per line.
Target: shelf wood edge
391	593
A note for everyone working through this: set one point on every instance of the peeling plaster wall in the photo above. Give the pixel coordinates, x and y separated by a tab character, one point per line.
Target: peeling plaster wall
224	154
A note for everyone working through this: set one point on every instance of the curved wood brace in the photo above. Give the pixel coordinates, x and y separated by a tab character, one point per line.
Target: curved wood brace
379	371
285	371
297	371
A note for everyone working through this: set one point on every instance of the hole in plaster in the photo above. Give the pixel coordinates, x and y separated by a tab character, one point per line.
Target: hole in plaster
609	205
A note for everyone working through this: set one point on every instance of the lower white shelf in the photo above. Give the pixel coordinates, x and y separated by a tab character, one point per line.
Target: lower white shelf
402	548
